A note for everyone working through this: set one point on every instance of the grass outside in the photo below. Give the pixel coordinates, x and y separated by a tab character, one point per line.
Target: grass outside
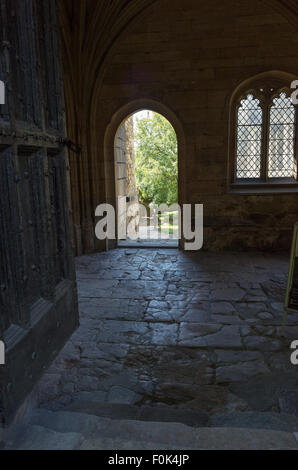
166	222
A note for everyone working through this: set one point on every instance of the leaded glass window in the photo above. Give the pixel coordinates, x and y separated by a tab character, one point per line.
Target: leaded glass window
249	138
265	136
282	138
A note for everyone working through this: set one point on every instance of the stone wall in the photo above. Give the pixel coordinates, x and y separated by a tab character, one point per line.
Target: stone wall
189	56
132	190
126	186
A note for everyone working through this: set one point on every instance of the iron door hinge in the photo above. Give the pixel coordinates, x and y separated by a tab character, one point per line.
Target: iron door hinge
76	148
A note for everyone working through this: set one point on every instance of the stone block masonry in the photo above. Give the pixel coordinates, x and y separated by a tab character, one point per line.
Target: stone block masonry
190	56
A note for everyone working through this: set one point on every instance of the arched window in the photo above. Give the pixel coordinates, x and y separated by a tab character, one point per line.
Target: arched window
265	129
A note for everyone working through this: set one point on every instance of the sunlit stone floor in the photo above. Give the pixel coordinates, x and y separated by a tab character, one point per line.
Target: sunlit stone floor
162	330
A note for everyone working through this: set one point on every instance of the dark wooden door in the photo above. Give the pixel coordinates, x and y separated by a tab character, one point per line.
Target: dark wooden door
38	300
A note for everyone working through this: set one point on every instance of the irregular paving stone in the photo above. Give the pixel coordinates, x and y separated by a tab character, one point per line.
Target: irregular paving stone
255	295
65	421
159	304
245	330
256	420
105	410
174	415
280	361
123	395
289	334
111	331
262	344
174	393
292	318
195	315
265	330
262	392
48	388
96	397
194	334
222	308
126	379
240	372
194	367
215	399
288	403
159	315
265	316
139	289
249	310
158	432
107	443
168	338
232	357
227	337
227	294
226	320
95	288
39	438
275	289
244	439
164	334
114	309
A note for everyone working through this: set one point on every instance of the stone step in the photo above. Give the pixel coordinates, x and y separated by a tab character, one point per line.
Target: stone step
95	428
159	413
120	444
256	420
68	430
40	438
162	413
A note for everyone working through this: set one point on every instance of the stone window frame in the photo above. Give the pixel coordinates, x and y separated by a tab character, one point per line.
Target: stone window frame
265	88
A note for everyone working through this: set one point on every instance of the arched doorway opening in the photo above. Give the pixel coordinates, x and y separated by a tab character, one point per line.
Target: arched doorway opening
117	120
146	181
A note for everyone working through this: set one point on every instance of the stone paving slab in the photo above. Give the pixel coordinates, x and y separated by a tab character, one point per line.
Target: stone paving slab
158	327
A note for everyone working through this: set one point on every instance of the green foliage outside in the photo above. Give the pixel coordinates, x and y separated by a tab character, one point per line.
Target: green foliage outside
166	223
156	161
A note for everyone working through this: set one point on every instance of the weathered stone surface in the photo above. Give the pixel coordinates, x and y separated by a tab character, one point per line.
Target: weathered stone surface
245	439
66	422
256	420
262	393
240	372
261	343
125	444
195	334
288	402
222	308
215	399
123	395
39	438
172	348
196	315
228	294
169	414
164	333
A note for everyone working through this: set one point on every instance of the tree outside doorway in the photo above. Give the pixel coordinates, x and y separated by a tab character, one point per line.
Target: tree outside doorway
146	165
156	168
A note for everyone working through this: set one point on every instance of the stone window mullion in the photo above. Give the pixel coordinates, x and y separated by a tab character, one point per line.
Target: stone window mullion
265	139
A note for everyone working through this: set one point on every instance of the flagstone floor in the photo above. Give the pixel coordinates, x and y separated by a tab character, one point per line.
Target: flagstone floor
196	331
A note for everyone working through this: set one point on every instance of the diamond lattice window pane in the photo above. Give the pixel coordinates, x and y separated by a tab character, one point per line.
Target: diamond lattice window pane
249	138
281	138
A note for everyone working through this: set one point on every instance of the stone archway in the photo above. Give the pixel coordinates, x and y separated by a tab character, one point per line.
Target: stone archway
109	156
